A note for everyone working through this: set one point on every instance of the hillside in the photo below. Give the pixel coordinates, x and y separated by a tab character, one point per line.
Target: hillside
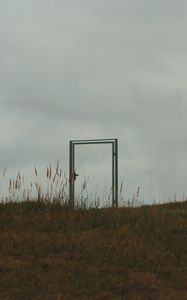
49	252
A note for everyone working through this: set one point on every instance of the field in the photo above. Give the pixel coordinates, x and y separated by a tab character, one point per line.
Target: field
50	252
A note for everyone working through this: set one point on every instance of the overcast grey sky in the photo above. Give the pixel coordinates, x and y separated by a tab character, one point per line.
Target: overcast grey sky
96	69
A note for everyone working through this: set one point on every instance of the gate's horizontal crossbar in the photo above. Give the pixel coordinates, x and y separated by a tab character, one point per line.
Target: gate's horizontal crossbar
96	141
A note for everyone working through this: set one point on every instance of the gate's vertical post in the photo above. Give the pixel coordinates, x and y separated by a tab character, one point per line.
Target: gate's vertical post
116	172
113	176
71	172
73	176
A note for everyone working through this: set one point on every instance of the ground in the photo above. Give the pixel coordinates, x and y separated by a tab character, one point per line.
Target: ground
51	252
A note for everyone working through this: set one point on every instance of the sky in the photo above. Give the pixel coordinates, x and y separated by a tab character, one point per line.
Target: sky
96	69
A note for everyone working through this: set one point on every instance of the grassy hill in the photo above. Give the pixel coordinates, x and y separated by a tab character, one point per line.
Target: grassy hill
49	252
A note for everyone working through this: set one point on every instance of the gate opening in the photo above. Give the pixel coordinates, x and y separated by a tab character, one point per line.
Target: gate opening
72	173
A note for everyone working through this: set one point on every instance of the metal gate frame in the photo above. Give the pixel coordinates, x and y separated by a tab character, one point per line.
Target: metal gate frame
72	174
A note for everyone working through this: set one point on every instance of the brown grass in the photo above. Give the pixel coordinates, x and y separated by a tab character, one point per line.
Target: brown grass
48	251
57	186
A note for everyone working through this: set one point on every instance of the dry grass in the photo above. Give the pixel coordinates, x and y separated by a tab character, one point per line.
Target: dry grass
54	189
48	251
